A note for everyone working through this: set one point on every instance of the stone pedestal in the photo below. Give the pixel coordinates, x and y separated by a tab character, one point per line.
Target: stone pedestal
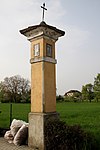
37	128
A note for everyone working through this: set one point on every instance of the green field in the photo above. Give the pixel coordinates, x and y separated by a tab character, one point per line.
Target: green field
87	115
19	111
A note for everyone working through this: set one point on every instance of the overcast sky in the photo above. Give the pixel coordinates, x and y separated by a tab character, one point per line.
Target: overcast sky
77	53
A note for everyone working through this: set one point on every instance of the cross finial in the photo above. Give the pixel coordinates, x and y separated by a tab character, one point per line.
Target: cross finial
43	7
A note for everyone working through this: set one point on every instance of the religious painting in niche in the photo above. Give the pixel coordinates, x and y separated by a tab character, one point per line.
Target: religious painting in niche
36	50
48	50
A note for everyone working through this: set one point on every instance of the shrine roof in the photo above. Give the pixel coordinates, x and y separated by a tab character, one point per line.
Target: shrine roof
42	24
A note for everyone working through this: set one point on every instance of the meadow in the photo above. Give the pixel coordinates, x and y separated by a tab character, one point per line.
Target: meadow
87	115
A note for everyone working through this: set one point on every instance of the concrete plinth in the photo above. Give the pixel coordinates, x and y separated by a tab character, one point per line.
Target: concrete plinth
36	129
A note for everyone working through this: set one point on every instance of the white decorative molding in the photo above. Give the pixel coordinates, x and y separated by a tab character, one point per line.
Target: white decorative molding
42	31
33	35
41	59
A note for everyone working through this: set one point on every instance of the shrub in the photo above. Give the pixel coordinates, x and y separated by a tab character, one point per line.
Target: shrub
59	98
4	101
60	136
72	99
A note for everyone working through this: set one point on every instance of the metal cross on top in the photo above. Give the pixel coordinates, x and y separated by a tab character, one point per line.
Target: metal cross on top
43	7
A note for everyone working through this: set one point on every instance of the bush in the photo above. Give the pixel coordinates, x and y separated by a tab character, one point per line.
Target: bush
59	98
72	99
4	101
60	136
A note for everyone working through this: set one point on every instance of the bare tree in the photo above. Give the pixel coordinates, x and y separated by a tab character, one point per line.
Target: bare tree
15	88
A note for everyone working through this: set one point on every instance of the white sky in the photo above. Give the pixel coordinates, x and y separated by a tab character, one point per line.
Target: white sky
78	52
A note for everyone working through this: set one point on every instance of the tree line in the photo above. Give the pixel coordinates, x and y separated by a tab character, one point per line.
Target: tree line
15	89
90	92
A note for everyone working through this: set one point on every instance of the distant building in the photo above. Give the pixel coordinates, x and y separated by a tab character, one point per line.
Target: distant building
74	93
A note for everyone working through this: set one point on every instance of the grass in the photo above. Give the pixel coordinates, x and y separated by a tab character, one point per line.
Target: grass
20	111
85	114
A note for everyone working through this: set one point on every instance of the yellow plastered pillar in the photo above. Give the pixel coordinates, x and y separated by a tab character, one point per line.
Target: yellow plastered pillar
43	78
